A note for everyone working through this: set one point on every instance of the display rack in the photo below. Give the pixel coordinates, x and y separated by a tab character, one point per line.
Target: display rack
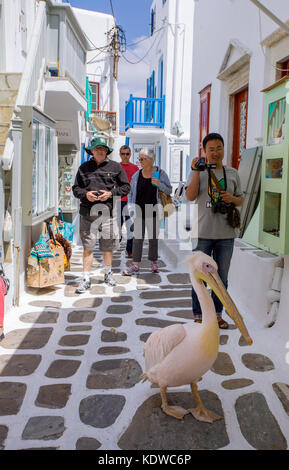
274	199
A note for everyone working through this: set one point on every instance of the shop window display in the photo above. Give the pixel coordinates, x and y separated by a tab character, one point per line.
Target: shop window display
66	171
276	122
39	166
43	157
274	167
274	195
272	213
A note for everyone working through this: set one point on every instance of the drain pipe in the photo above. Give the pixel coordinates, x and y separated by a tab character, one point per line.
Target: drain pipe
273	297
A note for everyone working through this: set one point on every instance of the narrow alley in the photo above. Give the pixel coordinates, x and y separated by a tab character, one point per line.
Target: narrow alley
70	367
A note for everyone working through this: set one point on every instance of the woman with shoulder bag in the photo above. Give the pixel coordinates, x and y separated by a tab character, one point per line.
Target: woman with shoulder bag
146	186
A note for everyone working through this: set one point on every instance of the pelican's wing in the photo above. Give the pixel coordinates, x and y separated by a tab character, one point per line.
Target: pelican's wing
161	343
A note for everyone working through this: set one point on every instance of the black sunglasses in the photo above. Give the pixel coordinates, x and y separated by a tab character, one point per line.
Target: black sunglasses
125	153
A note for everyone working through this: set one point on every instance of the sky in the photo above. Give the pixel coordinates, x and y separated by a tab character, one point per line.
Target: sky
134	18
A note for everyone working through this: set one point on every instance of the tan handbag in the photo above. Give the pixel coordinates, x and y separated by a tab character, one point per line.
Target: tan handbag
51	272
60	240
167	203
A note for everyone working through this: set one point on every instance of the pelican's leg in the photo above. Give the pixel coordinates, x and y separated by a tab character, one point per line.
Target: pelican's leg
201	413
174	411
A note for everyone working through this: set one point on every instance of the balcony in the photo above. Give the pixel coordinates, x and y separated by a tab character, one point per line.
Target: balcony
144	112
66	45
109	116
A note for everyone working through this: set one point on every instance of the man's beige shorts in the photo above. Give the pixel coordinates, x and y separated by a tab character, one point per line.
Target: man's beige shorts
91	229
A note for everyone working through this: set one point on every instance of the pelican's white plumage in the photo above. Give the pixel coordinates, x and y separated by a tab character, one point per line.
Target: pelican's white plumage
181	354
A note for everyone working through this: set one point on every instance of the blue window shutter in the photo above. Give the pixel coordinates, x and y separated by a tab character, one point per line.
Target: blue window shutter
160	78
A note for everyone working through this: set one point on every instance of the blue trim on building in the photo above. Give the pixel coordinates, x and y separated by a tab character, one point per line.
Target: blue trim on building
148	112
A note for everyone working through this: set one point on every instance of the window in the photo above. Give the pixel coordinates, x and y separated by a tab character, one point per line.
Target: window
43	168
160	77
94	96
276	122
153	20
283	68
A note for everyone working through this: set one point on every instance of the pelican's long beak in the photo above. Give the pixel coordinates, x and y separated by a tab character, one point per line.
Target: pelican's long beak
214	281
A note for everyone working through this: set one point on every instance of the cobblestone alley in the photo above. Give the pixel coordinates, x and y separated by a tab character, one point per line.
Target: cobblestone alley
70	367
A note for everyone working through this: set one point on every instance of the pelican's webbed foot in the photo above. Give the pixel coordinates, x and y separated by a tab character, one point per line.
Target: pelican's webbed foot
200	412
175	411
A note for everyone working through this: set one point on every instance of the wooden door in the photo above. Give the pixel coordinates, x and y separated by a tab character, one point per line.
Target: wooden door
205	96
240	126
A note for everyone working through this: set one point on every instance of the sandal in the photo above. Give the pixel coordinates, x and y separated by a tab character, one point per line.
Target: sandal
223	325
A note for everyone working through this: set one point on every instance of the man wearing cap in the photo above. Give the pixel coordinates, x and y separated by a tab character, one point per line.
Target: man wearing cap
97	181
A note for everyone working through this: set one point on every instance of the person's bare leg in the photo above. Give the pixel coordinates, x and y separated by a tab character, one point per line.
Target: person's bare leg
87	261
107	258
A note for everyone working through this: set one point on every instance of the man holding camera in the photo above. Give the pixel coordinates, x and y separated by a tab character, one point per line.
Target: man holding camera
217	191
97	181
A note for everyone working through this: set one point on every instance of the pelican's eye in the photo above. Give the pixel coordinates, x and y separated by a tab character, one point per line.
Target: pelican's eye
208	268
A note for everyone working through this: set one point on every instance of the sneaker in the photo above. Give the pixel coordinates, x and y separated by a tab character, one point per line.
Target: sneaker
109	280
155	268
133	269
84	285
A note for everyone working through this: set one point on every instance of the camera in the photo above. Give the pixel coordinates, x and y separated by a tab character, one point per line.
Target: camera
220	207
97	193
201	164
233	215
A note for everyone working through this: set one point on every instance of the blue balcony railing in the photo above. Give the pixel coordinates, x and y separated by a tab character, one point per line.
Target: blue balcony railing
144	112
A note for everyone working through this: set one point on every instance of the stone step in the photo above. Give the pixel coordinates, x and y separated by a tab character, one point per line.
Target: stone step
10	81
8	96
4	128
6	111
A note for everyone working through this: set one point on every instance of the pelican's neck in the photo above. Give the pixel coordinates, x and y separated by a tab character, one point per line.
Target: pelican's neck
206	303
209	339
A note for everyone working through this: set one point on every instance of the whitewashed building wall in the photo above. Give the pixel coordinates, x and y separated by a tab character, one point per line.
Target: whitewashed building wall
216	25
99	66
173	41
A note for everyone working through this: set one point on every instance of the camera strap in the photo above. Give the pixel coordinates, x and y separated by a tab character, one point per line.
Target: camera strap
212	176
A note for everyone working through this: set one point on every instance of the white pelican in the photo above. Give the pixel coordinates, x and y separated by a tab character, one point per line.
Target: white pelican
181	354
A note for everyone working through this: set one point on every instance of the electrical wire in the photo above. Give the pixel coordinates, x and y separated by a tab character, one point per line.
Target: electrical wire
146	38
137	56
101	48
134	63
91	61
